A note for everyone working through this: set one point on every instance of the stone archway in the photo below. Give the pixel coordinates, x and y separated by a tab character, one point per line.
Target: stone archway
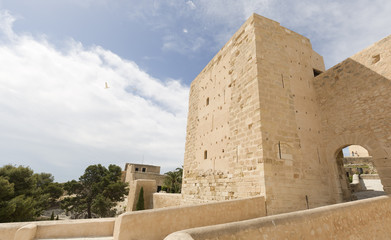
380	158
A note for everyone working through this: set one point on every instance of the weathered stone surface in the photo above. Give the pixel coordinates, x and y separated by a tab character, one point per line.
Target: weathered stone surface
156	224
162	200
365	219
261	123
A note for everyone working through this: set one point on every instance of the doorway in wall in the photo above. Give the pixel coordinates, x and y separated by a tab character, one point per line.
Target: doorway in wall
358	175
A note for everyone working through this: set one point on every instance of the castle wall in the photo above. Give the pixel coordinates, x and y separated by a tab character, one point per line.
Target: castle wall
223	154
354	99
254	124
261	123
296	171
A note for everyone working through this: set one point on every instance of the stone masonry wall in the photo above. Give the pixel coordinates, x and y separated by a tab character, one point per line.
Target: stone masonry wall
261	123
354	98
222	157
295	167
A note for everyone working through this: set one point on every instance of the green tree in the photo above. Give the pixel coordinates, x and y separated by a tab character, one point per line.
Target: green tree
43	179
22	193
140	201
22	178
96	192
173	181
6	194
55	191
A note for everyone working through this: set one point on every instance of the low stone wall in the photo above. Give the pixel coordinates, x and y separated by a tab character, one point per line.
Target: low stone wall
8	230
162	200
364	219
57	229
158	223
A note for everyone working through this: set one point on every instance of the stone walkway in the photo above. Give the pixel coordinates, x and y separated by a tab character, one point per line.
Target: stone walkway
368	194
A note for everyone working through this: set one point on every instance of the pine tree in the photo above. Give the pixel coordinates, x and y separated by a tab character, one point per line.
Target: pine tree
140	202
96	192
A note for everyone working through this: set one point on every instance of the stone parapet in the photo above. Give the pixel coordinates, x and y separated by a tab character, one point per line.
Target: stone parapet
57	229
364	219
158	223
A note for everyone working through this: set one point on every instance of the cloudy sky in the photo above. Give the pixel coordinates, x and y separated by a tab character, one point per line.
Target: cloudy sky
56	57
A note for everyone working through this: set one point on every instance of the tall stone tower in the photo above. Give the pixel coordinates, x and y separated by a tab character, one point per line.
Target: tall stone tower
253	125
257	126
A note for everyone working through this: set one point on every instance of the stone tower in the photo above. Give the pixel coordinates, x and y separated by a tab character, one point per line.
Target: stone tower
256	126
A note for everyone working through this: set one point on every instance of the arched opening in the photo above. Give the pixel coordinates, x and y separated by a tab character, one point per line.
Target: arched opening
358	176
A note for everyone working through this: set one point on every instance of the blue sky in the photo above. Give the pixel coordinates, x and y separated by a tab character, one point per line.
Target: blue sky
56	56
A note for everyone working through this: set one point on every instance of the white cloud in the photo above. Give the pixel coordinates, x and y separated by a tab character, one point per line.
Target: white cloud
185	30
54	104
337	29
191	5
6	24
182	45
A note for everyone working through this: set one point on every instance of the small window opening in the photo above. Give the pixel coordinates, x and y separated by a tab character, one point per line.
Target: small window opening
316	72
144	169
136	169
207	101
205	154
